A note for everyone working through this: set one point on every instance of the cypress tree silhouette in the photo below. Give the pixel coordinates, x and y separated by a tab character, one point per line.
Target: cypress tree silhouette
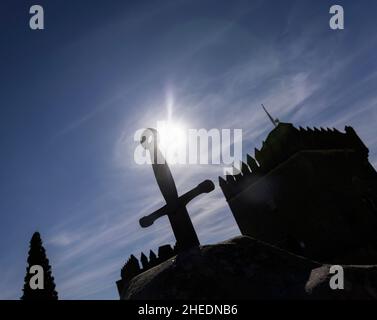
37	256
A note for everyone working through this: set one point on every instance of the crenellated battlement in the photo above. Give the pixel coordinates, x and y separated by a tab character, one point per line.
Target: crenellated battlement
282	143
134	266
306	182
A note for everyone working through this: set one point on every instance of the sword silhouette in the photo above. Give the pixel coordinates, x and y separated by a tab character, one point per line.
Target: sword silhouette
175	207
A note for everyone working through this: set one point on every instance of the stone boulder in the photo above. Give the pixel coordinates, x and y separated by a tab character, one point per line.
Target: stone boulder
245	268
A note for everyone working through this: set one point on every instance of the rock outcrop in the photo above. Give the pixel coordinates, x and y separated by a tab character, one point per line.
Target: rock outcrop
245	268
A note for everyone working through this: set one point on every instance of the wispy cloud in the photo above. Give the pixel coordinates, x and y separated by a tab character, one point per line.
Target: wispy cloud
216	73
300	95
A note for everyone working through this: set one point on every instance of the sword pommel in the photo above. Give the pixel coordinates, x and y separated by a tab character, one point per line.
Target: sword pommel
146	222
206	186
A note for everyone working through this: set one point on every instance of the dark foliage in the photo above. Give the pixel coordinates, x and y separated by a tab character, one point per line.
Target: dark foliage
37	256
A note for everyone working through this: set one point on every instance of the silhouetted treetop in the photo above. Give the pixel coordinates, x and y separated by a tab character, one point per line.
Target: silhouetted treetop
37	257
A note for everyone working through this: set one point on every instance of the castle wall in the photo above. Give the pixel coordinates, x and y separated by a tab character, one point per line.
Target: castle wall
133	267
320	203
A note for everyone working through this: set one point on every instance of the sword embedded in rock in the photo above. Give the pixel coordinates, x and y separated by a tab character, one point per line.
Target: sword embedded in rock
175	207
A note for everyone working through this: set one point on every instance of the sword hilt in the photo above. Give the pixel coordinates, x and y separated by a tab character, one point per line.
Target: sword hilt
204	187
147	221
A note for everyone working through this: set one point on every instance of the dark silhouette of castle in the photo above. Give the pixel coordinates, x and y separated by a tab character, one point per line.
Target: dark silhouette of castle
310	191
132	267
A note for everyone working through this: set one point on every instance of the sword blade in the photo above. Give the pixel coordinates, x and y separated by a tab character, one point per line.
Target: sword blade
180	221
165	180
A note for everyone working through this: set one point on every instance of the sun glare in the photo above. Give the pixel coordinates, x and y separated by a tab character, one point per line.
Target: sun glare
172	140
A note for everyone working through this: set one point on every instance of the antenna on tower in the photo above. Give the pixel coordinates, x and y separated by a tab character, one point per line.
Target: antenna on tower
275	122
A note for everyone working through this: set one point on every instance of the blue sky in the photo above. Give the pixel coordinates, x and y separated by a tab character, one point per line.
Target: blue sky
73	95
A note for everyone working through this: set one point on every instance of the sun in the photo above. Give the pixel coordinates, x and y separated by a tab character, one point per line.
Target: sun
172	140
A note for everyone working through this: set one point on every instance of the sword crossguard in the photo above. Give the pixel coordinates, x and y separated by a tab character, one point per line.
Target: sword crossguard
170	208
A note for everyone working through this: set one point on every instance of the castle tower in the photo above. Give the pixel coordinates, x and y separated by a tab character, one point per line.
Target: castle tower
312	192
